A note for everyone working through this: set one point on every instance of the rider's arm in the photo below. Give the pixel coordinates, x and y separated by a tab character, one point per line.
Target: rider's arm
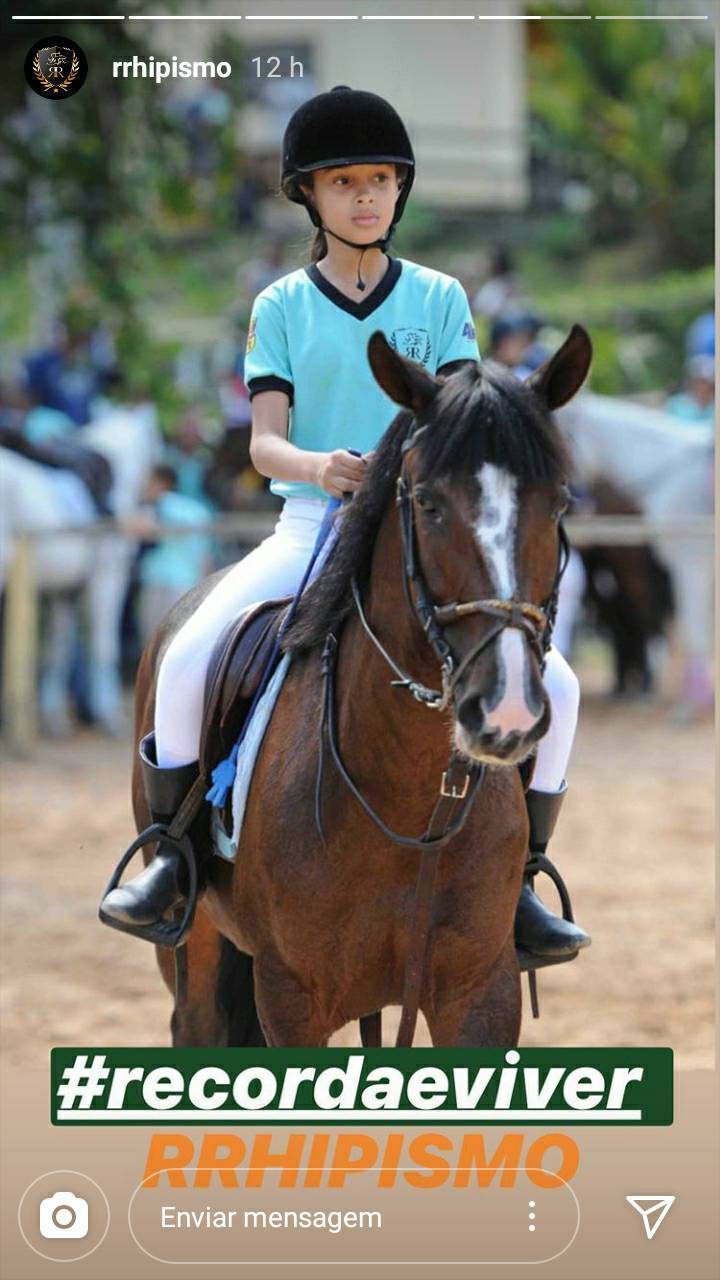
271	452
274	456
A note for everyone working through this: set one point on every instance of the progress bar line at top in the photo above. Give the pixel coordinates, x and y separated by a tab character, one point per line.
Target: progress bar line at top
301	17
417	17
185	17
69	17
650	17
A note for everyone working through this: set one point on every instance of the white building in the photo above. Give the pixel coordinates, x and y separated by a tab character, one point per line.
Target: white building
459	85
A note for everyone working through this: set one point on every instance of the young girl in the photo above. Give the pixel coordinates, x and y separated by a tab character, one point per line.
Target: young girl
347	158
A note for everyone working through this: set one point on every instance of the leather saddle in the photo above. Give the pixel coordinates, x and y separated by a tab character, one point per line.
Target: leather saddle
237	666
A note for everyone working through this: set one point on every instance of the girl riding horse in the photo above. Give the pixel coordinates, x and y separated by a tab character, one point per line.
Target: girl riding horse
348	160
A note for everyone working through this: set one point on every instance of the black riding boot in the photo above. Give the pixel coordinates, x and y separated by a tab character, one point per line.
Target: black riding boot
163	884
538	931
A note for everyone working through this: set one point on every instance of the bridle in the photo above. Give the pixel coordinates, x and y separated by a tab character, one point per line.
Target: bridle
462	777
534	621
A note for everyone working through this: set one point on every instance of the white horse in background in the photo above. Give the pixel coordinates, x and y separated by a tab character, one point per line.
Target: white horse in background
41	501
666	466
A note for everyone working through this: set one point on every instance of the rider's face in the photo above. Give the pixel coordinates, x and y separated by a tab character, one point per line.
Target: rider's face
358	200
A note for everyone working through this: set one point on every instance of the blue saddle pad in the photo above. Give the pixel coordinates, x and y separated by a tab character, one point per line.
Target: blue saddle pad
254	732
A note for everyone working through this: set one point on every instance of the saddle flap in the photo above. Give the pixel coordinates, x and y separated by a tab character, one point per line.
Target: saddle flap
237	665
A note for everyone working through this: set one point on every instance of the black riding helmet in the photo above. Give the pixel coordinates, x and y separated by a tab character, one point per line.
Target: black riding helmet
343	127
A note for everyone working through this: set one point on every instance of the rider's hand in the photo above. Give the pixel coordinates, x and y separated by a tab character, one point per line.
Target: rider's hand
340	472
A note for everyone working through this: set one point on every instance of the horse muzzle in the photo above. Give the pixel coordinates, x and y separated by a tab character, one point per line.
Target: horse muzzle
479	736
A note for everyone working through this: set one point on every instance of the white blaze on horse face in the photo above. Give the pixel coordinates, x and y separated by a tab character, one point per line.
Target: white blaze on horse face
495	530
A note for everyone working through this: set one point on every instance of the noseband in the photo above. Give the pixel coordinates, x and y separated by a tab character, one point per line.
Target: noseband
534	621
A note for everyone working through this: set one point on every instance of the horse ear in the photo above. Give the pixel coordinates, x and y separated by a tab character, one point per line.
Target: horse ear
559	378
404	381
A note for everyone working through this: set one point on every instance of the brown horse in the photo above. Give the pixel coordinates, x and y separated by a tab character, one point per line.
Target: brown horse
310	927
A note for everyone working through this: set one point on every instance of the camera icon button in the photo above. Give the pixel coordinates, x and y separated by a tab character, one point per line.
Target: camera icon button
63	1215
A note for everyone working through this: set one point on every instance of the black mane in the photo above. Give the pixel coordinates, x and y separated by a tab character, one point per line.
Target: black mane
481	414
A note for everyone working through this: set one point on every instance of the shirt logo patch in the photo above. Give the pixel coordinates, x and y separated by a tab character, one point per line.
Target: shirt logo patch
251	338
414	344
469	331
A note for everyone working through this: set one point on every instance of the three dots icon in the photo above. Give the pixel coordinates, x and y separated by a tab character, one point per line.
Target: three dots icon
531	1215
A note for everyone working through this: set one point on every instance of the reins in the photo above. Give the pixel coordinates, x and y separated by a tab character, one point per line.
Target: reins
462	777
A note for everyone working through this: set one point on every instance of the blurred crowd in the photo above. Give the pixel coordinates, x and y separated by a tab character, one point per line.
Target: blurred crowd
516	330
203	466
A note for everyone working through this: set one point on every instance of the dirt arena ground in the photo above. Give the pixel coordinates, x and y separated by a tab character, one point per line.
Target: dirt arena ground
635	843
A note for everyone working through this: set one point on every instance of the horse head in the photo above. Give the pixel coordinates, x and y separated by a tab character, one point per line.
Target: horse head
481	492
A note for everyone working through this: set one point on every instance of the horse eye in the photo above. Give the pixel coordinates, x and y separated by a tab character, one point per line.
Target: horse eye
425	503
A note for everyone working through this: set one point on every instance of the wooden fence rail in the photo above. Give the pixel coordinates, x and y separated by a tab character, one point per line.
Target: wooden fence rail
20	632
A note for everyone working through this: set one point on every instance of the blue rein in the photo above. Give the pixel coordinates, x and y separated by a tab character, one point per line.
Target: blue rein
223	775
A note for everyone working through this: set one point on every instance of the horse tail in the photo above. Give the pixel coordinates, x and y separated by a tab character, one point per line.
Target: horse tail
236	998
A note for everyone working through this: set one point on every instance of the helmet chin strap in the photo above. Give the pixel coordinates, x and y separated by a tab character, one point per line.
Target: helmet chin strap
374	244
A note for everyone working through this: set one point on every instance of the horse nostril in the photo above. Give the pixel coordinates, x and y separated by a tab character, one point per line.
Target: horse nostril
471	715
535	698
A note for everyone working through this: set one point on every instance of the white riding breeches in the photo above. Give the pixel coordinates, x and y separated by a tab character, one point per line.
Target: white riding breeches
276	568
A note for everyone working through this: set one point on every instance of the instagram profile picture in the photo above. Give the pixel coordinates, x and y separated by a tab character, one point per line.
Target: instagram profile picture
56	67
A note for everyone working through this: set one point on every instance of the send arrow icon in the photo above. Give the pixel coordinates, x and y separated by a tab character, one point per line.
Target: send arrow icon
652	1209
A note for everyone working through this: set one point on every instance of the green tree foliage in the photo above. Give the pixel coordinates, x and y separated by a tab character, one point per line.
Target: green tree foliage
627	108
113	163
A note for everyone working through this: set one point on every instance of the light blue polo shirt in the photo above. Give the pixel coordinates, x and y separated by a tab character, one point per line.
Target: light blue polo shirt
180	561
307	339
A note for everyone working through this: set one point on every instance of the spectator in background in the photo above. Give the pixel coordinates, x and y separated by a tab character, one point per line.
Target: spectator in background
190	457
501	290
19	411
171	565
513	342
700	337
246	199
72	372
263	269
696	401
38	422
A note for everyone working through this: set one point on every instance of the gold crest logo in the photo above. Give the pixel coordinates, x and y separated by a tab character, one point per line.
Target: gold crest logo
55	67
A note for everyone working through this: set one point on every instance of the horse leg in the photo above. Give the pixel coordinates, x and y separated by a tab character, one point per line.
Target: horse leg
484	1016
199	1021
287	1012
235	996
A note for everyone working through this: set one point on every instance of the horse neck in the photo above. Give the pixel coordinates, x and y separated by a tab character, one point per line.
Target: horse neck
393	745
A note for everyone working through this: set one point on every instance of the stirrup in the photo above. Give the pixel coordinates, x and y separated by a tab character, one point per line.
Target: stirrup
164	933
529	962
